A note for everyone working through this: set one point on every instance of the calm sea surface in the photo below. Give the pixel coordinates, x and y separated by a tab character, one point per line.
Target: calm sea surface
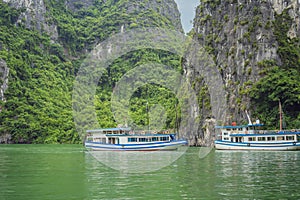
69	172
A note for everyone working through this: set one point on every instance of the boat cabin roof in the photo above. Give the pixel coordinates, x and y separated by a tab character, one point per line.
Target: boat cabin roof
108	130
240	126
264	134
139	135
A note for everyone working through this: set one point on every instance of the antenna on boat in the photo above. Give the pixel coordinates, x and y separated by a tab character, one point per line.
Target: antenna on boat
147	108
249	120
176	118
280	116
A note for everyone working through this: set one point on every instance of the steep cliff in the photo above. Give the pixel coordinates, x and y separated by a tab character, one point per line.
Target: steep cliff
246	38
43	43
4	72
34	16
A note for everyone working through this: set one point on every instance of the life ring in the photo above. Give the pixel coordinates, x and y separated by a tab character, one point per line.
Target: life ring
143	132
167	132
154	132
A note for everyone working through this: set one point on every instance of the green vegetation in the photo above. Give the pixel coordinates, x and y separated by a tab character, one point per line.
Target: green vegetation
39	97
37	109
280	83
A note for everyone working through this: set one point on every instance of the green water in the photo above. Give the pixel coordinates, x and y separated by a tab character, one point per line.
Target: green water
68	172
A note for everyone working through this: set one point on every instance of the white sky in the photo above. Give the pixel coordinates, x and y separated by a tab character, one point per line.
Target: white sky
187	9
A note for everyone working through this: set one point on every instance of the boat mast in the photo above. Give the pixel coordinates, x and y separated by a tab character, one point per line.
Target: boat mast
280	116
147	108
148	121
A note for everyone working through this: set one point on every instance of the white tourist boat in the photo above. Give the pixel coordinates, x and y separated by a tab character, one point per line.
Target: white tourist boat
124	139
250	137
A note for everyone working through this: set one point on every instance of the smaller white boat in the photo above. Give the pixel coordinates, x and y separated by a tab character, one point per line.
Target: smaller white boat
249	137
124	139
252	137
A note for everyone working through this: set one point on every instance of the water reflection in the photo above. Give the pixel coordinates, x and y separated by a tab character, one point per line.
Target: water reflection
66	172
108	183
251	174
137	161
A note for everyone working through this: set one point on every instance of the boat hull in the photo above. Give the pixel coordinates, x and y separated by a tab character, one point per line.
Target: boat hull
283	146
173	145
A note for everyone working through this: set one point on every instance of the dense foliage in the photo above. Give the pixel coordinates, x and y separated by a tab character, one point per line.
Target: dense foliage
38	107
280	82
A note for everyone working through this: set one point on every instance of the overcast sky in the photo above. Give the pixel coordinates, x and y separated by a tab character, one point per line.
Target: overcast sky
187	9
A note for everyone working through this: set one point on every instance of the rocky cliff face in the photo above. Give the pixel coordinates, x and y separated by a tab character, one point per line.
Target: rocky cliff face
239	34
4	71
167	8
34	16
42	69
34	13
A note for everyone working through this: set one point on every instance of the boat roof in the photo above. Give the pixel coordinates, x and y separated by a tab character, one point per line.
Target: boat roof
139	135
265	134
109	129
239	126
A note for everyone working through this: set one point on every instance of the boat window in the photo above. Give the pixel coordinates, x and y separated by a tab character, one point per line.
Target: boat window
101	140
290	137
261	139
251	138
238	139
280	137
226	138
132	139
225	133
164	138
270	138
143	139
228	129
154	139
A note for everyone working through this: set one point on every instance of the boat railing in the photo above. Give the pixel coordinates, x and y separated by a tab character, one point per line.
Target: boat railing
265	131
143	132
276	131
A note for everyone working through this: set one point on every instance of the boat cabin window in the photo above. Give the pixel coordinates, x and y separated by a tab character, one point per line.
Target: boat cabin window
154	139
270	138
261	138
113	140
280	138
101	140
251	138
132	139
143	139
290	137
164	138
238	139
298	137
225	133
226	138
